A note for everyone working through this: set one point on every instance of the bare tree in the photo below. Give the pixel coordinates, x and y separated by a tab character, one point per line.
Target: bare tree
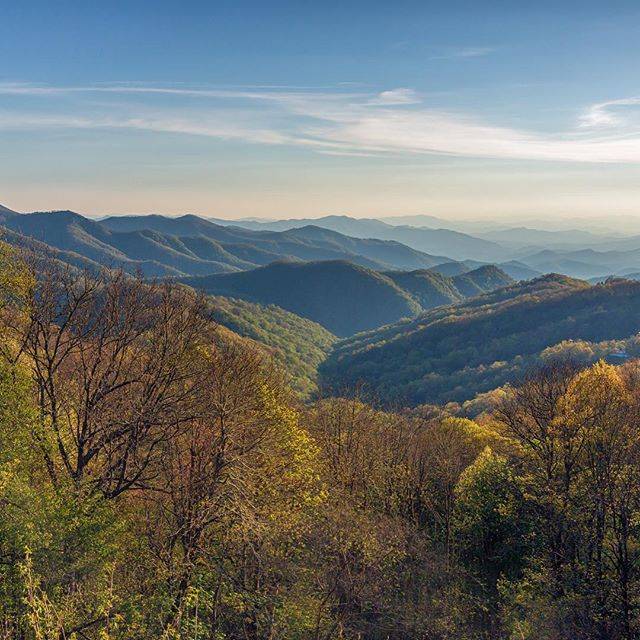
115	364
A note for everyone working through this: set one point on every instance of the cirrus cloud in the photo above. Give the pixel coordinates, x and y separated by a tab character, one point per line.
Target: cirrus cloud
394	121
612	113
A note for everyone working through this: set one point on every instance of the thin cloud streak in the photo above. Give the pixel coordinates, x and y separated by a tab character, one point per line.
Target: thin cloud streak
608	114
264	93
464	52
223	131
395	121
396	97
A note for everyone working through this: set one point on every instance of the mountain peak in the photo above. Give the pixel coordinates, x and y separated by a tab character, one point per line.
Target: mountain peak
59	214
7	211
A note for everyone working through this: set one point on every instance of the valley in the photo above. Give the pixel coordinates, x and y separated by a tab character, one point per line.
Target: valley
334	399
426	321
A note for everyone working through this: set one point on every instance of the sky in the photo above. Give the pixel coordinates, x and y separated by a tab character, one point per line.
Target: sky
290	109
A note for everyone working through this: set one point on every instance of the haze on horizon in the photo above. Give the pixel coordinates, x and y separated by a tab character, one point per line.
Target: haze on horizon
288	109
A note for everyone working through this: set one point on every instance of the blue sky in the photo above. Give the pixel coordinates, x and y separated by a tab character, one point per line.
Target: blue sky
305	108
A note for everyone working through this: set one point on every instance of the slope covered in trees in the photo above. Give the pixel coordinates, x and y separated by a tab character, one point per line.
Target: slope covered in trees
428	288
431	288
346	298
481	280
340	296
158	481
452	353
298	345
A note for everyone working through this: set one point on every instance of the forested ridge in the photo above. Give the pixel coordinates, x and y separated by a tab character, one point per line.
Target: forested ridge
452	353
346	298
341	296
158	479
297	344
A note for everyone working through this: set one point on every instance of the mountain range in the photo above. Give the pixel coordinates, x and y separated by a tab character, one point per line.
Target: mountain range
346	298
190	245
161	246
416	326
522	252
345	284
453	244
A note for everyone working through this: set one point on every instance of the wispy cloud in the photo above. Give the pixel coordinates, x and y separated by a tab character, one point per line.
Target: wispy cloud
395	121
463	52
161	124
613	113
396	97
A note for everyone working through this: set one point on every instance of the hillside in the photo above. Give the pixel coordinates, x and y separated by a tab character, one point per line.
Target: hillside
342	297
452	353
481	280
40	254
298	345
431	288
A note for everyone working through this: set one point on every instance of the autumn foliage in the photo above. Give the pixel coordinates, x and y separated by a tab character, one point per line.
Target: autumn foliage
159	480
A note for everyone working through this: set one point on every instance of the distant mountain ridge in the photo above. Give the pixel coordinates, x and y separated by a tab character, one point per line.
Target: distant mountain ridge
152	254
347	298
307	242
189	245
521	251
587	262
453	244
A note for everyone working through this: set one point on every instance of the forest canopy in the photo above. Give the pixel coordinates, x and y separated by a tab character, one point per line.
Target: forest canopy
158	479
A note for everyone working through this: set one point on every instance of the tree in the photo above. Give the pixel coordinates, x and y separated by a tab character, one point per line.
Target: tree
578	437
489	531
234	494
114	362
